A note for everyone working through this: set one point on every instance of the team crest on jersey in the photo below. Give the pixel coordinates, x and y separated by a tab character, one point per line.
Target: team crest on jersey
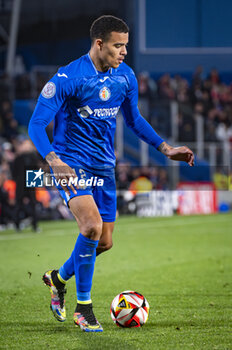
49	90
105	93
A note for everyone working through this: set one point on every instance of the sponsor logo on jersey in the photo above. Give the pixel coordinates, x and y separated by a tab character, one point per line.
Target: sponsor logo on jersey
106	112
49	90
105	93
85	111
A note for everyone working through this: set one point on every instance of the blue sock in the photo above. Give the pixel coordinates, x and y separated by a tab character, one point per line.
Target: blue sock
81	262
84	261
66	271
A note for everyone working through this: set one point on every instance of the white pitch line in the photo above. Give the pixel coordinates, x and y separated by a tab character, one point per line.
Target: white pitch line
145	225
16	236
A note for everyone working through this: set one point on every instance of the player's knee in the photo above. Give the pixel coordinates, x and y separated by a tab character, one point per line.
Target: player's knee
105	246
108	245
93	229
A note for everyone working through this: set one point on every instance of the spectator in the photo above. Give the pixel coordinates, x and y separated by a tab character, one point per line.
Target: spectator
198	76
7	199
25	197
186	128
165	89
147	93
140	184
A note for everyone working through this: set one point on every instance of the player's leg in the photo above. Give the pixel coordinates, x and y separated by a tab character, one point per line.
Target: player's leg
106	201
83	315
83	256
106	242
81	262
56	279
89	222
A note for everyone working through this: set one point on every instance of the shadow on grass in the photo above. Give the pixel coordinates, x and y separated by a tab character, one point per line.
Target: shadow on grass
33	326
113	337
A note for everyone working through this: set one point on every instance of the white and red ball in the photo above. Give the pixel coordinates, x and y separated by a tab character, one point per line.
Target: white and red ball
129	309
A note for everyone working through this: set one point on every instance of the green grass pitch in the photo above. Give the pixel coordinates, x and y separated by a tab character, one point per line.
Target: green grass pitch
183	266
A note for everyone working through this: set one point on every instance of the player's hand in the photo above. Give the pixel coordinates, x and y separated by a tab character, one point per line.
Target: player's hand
182	153
61	171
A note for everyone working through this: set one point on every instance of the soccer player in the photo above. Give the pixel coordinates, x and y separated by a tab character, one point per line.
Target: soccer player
83	98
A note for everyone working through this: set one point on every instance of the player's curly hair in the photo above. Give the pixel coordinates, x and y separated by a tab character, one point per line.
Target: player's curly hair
104	25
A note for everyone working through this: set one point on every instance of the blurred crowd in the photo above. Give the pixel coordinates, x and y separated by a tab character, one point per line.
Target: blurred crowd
145	178
20	205
205	96
201	95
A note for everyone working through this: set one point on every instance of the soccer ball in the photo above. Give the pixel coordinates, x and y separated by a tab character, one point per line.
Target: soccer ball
129	309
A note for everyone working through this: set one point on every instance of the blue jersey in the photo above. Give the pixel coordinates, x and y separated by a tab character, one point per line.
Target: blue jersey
84	104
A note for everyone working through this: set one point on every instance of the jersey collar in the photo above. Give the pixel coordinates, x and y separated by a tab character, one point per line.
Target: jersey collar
90	59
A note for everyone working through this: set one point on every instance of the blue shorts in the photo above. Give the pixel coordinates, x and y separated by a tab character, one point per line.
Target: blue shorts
104	196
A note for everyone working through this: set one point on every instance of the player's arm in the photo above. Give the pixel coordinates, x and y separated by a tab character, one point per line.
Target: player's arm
144	130
182	153
47	106
61	170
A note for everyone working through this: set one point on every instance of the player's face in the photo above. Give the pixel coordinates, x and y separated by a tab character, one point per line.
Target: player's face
113	51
